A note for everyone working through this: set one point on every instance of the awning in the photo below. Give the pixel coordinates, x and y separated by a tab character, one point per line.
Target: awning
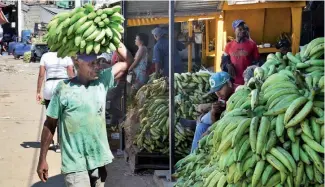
3	18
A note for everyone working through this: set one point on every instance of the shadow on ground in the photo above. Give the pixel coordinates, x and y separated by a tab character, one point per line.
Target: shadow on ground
55	181
31	144
118	175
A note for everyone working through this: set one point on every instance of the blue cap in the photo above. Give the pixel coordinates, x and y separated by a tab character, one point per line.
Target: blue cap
87	58
236	23
218	80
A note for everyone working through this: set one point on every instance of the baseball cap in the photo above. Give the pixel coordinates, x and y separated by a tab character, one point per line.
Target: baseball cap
87	58
218	80
92	57
236	23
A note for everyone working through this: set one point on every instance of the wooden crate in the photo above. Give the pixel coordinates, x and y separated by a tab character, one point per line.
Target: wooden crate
143	160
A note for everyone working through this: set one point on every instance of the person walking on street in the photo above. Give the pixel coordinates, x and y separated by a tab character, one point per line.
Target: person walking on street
79	104
55	69
239	53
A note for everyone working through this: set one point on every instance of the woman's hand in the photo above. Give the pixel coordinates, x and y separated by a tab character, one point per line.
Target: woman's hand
38	98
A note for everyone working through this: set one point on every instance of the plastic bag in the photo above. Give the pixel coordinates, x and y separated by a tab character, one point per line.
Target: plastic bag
249	73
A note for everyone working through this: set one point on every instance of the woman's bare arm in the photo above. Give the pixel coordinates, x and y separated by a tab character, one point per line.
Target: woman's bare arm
137	58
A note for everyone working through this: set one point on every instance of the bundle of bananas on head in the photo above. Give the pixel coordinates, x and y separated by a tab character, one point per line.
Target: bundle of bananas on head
275	135
85	30
154	125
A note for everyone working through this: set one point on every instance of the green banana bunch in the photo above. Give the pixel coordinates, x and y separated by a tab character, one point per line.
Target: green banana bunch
272	133
101	29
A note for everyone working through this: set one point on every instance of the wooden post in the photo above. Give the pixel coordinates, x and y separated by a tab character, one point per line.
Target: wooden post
204	54
296	28
190	47
207	36
218	44
224	42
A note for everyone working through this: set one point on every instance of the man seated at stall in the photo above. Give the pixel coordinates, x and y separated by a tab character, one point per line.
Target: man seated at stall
223	87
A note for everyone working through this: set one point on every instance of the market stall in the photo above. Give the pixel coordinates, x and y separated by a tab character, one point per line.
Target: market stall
262	18
266	21
148	14
149	147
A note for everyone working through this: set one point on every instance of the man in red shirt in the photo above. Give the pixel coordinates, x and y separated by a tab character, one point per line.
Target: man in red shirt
239	53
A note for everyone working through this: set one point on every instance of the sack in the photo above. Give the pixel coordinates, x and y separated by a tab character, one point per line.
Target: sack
131	126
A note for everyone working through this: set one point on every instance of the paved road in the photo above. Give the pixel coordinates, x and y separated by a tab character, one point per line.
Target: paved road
21	120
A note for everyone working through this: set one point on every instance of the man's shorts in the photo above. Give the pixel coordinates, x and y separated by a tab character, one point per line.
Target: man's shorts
91	178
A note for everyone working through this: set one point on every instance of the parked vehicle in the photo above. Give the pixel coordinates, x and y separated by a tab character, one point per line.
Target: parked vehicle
20	49
37	51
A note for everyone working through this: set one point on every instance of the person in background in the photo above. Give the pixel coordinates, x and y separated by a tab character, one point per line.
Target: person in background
160	53
79	103
246	28
140	63
223	87
239	53
54	69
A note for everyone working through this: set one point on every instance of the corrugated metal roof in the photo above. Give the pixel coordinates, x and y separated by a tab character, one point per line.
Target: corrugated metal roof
151	9
140	9
197	7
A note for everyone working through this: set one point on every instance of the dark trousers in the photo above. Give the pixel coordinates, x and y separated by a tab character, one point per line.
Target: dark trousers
47	102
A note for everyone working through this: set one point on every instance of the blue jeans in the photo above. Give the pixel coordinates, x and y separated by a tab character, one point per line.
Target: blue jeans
201	128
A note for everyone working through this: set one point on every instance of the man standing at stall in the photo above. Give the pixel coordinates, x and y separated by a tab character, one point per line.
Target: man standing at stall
223	87
239	53
160	52
79	103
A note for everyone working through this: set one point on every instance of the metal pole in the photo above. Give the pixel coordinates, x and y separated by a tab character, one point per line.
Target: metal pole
171	90
20	19
77	3
122	146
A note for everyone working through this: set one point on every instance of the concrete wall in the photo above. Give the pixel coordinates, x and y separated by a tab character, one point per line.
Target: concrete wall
31	16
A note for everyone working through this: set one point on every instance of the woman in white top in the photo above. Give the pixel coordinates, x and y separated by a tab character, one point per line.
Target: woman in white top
56	70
